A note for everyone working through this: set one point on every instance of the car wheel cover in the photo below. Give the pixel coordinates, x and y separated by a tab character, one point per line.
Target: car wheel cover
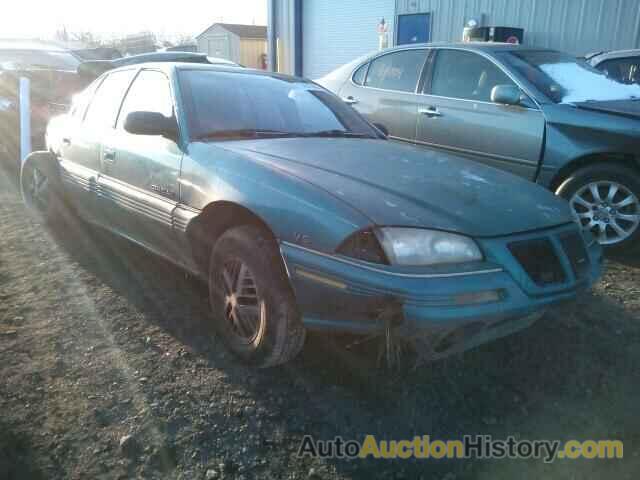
244	308
609	209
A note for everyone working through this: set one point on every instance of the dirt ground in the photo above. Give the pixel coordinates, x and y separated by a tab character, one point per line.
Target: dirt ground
99	340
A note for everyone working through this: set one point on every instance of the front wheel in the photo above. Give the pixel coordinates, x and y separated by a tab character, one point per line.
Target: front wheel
252	302
605	199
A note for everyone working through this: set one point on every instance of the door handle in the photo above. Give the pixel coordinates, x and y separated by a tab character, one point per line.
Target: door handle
430	112
349	100
109	155
66	141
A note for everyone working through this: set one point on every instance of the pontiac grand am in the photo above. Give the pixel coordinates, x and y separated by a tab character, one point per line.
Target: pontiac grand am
301	215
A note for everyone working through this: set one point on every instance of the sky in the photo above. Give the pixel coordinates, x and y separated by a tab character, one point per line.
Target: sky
109	18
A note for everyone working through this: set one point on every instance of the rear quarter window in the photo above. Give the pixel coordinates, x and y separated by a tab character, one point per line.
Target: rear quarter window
360	74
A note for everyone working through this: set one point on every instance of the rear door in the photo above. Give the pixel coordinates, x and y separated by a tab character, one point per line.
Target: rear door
140	172
456	113
81	144
384	91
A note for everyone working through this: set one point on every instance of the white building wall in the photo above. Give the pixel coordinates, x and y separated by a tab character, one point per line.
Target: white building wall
219	42
337	31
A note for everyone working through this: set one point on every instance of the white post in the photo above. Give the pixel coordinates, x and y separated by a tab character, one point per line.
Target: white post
25	118
383	35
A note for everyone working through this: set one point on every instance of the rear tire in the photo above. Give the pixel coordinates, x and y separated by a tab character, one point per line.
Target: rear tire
605	198
38	189
252	302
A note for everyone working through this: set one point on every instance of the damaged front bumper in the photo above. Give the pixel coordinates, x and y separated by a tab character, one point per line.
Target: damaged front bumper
458	309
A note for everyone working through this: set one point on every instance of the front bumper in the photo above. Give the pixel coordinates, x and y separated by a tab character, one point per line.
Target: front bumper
482	301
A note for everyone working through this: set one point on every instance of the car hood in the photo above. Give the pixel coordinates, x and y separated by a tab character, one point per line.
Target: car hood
394	184
624	108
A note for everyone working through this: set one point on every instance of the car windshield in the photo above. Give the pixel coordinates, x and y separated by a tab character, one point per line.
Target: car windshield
565	79
50	59
224	105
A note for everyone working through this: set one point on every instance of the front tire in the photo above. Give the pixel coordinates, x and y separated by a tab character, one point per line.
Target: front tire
251	299
605	199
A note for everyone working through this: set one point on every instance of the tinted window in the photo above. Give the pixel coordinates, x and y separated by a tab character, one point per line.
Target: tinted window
358	77
104	107
223	104
624	70
150	92
396	71
466	75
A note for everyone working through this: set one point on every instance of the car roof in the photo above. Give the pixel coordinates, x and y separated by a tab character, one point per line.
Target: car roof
601	57
21	44
478	46
168	67
166	57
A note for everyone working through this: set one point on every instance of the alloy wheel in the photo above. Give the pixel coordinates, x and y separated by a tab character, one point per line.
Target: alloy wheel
244	308
608	209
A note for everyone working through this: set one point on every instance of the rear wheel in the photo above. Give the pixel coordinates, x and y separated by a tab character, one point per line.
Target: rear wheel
253	305
605	199
38	190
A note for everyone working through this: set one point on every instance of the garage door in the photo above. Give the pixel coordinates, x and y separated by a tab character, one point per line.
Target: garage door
337	31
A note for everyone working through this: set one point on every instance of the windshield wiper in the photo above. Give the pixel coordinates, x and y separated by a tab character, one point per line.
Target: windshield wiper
244	133
337	133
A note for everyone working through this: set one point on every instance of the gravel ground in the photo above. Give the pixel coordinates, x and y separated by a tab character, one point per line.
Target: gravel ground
102	344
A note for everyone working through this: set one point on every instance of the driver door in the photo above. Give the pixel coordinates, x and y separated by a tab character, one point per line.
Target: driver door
140	172
456	113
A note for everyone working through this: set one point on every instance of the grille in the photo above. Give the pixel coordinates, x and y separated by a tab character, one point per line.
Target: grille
539	260
573	247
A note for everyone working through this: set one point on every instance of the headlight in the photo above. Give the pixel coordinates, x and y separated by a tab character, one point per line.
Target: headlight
416	246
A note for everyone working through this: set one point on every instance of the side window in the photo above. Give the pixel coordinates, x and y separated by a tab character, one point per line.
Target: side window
104	107
358	77
624	70
80	100
150	92
465	75
396	71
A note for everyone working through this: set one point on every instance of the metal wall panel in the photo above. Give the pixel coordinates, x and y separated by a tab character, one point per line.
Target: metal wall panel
337	31
281	35
576	26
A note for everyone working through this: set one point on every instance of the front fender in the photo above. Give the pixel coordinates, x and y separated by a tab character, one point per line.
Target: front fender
573	134
295	210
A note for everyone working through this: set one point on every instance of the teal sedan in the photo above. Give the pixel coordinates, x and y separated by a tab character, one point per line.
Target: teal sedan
300	215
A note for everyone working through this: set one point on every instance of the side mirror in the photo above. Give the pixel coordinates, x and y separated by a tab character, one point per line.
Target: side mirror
506	95
382	129
151	123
